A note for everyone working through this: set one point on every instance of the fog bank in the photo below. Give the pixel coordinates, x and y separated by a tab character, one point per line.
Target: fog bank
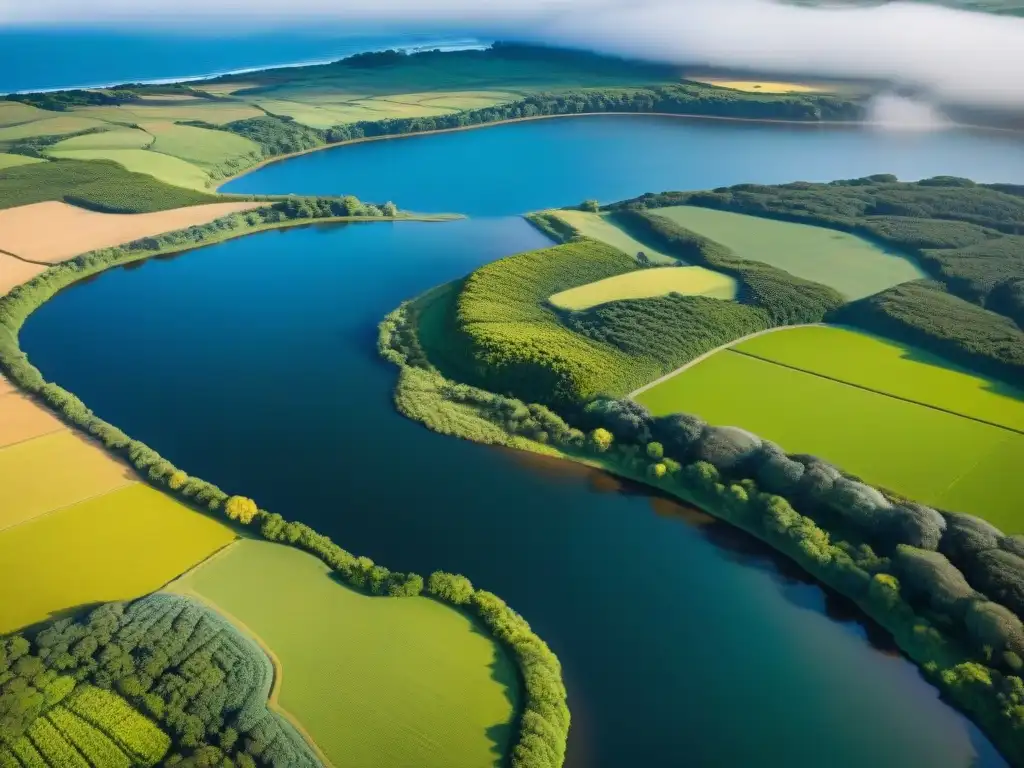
958	56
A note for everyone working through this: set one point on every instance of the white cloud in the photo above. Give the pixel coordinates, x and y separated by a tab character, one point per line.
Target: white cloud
960	56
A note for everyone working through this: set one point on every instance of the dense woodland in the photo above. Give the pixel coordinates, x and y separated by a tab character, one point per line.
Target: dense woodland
967	235
175	661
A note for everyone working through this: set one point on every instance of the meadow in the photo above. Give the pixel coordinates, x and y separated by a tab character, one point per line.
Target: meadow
849	264
599	227
892	368
643	284
10	161
170	170
118	546
908	448
374	680
116	138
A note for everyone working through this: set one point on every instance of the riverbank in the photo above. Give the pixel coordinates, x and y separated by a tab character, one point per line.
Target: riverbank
459	410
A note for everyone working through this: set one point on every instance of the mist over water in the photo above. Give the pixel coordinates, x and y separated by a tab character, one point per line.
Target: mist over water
889	111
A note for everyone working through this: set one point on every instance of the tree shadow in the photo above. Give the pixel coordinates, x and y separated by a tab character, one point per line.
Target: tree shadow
71	612
505	672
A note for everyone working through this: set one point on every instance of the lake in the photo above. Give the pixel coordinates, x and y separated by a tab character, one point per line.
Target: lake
252	364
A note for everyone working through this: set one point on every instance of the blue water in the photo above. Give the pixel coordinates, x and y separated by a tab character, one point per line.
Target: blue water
511	169
253	364
37	59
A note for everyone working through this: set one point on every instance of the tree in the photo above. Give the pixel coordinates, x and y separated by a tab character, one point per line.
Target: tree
389	209
657	471
241	509
593	206
450	587
655	451
601	439
177	480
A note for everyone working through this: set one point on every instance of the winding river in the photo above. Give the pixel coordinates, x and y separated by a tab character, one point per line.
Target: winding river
252	364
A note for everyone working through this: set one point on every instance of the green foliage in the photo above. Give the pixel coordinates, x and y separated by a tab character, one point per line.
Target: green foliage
1007	298
62	101
785	298
275	135
921	313
99	185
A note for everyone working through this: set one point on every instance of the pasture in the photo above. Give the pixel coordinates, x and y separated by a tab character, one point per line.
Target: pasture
215	112
914	450
118	138
599	227
851	265
54	231
52	124
14	112
53	471
374	680
645	283
892	368
115	546
9	161
204	147
170	170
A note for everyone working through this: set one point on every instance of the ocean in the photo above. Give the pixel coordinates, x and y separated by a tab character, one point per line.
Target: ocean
33	59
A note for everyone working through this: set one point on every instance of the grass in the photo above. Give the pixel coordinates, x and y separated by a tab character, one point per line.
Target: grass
118	138
10	161
165	168
117	546
49	126
908	448
53	471
101	186
206	148
892	368
13	113
660	281
376	681
851	265
600	227
216	112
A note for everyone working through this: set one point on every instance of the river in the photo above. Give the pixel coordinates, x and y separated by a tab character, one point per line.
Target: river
252	364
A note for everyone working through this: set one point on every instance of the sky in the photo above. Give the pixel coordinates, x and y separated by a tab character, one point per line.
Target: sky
959	56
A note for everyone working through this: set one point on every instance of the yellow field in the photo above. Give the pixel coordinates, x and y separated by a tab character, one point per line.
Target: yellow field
13	112
163	167
53	471
9	161
645	283
763	86
599	227
119	138
22	419
14	271
55	231
119	546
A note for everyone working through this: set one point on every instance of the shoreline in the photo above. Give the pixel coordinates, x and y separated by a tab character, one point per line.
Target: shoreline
510	121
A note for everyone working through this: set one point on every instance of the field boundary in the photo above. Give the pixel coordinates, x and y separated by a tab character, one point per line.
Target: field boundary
701	358
876	391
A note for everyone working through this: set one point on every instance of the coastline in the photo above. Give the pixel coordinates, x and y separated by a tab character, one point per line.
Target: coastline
720	118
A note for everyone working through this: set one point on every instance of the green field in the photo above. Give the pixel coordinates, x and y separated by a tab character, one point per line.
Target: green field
53	124
645	283
914	450
892	368
376	681
851	265
202	146
600	227
118	138
10	161
165	168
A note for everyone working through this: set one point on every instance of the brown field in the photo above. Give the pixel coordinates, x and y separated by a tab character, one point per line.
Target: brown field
55	231
53	471
6	386
22	419
15	272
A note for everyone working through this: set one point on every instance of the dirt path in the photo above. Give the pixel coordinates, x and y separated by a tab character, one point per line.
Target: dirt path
700	358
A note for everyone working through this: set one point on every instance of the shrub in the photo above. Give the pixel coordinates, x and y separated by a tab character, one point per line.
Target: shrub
451	588
679	433
916	525
600	440
966	537
995	627
626	419
930	578
1000	575
727	447
780	474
